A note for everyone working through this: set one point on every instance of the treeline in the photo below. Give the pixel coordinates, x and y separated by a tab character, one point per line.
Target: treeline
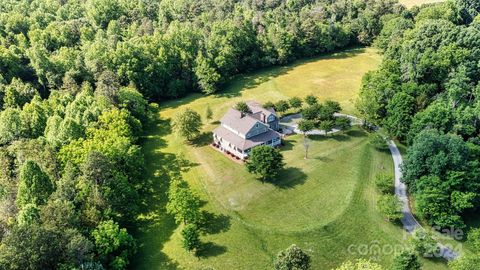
70	174
75	77
427	94
172	47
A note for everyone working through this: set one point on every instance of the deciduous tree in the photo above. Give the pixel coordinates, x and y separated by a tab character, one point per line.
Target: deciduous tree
266	162
311	100
295	102
184	204
293	258
423	242
34	185
191	237
113	244
243	107
188	124
282	106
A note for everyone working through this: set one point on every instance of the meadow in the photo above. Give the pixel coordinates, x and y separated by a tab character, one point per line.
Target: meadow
325	204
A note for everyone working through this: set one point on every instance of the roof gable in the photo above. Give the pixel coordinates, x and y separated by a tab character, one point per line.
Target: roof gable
236	121
257	109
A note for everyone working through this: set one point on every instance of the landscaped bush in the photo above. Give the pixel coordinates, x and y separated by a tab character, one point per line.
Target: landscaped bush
406	260
423	242
384	183
390	206
378	141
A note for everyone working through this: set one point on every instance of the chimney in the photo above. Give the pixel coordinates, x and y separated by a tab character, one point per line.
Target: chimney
263	117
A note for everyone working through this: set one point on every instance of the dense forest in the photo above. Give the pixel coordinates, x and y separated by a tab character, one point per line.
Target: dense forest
427	94
76	77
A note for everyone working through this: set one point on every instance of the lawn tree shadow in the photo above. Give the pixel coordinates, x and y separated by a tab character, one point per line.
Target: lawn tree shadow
318	138
287	145
323	159
250	80
384	149
341	137
203	139
210	249
356	133
216	223
153	226
289	178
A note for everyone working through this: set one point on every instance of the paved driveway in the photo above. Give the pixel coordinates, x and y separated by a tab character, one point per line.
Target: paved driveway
409	222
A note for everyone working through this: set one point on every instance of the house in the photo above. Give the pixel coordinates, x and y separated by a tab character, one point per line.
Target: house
239	132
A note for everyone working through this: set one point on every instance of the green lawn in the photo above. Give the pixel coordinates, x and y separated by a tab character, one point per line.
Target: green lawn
323	204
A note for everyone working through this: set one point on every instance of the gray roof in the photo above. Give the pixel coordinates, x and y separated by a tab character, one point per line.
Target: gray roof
257	108
242	143
234	120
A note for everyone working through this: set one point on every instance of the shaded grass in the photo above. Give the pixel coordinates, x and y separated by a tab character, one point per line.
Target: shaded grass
324	204
335	76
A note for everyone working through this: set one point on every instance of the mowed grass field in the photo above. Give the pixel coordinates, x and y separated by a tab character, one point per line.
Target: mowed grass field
325	204
411	3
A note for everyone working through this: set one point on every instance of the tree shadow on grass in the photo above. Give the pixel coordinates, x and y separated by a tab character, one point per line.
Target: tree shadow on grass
290	177
287	144
383	149
210	249
153	226
319	138
216	223
356	133
242	82
203	139
341	137
253	79
322	158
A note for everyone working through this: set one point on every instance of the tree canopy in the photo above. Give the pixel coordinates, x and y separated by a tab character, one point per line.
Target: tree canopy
293	258
426	94
266	162
188	124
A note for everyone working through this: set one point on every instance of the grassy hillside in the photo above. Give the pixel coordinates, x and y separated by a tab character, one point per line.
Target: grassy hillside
324	204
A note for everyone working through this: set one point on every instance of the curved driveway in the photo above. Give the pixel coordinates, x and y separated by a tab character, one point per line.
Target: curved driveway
409	222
